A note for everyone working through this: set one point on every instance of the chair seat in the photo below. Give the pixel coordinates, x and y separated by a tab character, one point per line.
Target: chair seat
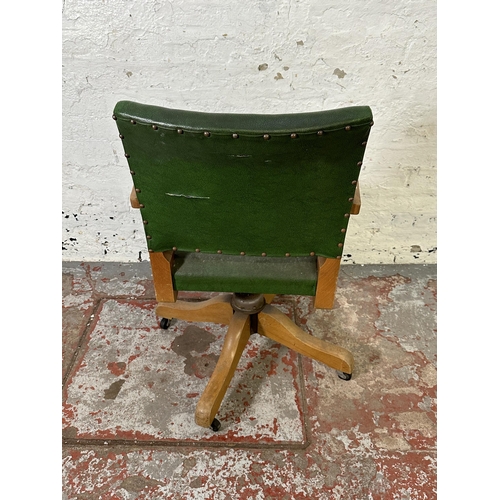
244	274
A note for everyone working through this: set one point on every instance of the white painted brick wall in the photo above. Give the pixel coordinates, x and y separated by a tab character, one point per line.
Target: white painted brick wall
254	56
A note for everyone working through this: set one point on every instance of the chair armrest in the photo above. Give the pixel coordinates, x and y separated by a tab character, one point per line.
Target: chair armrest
134	201
356	202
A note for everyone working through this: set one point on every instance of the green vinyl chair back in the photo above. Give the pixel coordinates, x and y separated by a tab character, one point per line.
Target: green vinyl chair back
234	184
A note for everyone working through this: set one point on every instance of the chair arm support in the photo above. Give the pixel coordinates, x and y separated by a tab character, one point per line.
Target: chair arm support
134	201
356	202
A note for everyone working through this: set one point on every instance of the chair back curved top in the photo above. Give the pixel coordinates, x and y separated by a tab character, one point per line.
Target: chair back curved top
274	185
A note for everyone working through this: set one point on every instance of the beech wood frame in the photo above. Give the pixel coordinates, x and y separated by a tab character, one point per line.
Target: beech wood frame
272	323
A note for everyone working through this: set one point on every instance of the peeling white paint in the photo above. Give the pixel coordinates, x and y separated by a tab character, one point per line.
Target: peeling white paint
152	397
80	300
252	57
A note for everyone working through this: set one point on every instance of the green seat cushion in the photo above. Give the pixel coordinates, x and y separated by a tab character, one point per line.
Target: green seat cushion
194	271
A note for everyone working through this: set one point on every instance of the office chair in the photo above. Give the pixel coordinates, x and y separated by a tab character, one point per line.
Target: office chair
249	204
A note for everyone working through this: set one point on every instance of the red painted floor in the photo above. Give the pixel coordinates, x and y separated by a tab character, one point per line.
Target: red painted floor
291	429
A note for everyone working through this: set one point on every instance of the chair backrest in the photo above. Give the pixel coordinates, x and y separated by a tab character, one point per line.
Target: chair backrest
231	183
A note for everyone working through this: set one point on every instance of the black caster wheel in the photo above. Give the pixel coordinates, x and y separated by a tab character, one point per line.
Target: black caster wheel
215	426
344	375
164	323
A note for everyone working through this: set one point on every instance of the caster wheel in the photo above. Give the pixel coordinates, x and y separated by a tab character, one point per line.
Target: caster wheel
344	376
215	425
164	323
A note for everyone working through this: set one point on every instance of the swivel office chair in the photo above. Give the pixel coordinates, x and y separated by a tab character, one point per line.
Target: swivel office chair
254	205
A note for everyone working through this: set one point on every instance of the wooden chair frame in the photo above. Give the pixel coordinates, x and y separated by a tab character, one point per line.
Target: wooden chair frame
271	323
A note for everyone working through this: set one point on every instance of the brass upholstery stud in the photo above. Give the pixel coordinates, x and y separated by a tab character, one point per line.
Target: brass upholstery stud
154	127
266	137
133	122
363	143
174	249
150	251
144	222
340	245
137	190
348	128
312	254
359	163
371	124
264	254
242	253
293	136
148	237
346	215
114	117
121	136
320	132
351	199
219	251
343	230
339	257
127	155
132	172
180	131
354	182
235	136
141	205
206	134
197	250
287	255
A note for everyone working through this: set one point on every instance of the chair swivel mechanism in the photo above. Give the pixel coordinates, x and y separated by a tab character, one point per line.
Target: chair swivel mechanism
250	206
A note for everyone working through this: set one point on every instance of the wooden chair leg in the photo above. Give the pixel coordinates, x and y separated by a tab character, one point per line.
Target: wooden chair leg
161	266
328	273
236	339
215	310
279	327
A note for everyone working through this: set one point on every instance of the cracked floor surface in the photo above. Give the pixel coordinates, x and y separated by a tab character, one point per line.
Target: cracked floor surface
291	429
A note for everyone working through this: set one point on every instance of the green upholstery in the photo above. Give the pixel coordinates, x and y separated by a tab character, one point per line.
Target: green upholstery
245	274
213	192
245	187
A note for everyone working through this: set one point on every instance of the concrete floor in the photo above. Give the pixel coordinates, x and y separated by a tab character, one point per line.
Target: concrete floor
291	429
